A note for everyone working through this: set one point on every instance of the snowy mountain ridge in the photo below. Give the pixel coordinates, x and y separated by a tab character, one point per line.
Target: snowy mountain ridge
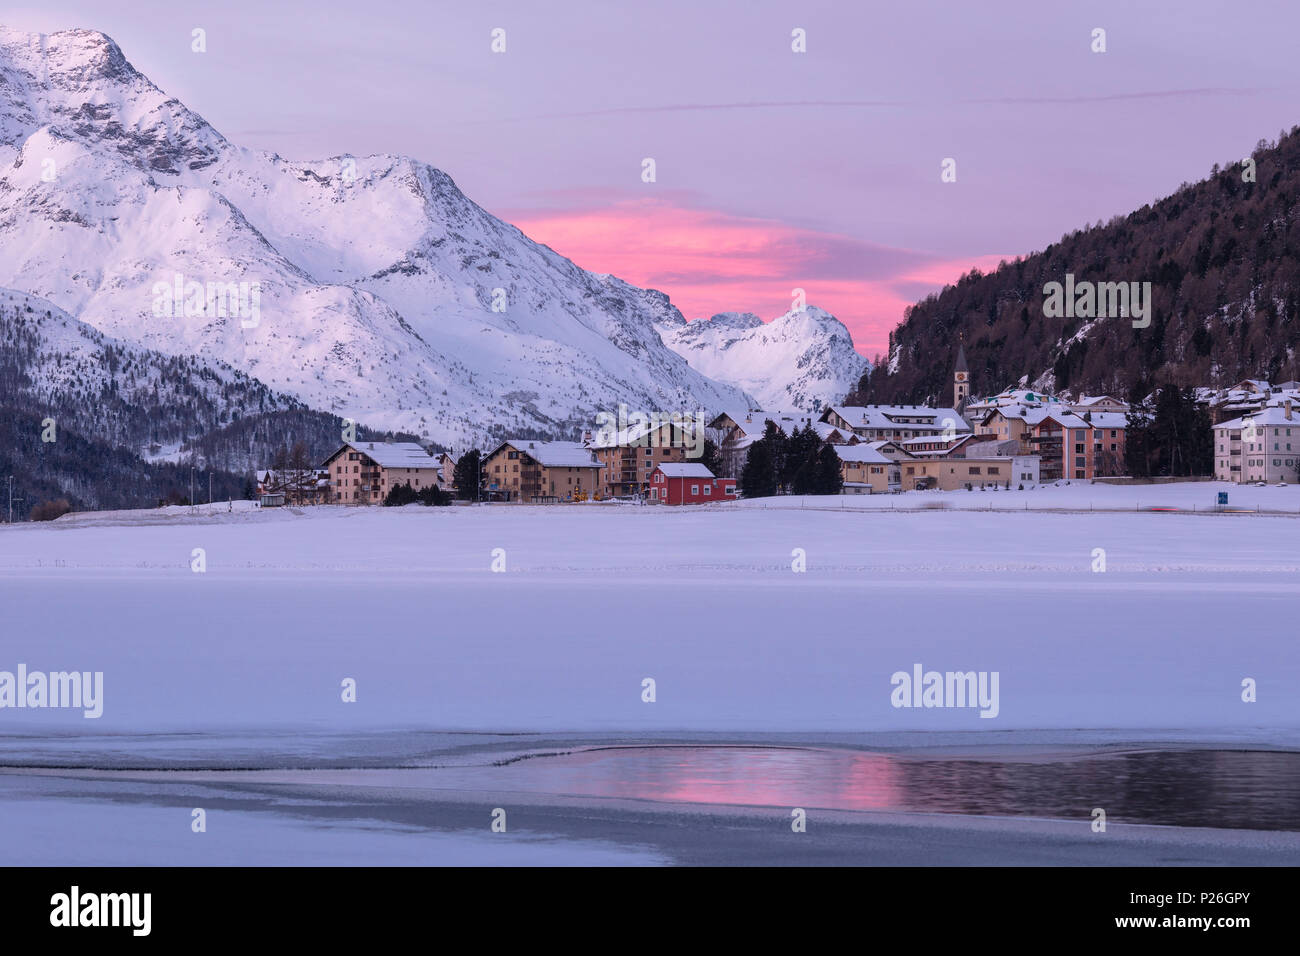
803	360
385	295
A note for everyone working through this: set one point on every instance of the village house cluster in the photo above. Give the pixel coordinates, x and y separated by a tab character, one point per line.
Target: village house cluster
1017	438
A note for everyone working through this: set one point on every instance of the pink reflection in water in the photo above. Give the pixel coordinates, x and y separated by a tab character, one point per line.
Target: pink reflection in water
757	776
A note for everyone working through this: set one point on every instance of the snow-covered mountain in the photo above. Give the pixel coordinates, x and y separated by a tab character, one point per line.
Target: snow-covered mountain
122	394
803	360
373	288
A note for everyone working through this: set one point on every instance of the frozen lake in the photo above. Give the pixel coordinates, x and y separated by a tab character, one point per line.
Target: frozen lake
750	622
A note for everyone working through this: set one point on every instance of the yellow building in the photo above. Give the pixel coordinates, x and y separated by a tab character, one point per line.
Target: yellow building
532	470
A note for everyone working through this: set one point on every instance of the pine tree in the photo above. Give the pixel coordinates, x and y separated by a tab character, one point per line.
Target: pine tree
758	477
465	477
712	459
830	479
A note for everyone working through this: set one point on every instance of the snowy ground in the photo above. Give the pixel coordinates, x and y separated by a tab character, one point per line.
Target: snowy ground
595	599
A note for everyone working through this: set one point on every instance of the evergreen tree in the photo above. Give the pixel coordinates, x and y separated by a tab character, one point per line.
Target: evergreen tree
433	495
758	477
829	478
400	495
465	477
797	450
1139	439
712	459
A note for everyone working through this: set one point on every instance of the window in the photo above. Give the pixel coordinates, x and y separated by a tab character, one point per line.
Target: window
974	469
708	489
695	489
512	454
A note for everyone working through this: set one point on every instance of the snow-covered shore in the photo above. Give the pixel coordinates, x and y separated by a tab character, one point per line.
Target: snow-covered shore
709	604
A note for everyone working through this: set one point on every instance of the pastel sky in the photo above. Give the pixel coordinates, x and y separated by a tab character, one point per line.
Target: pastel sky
775	170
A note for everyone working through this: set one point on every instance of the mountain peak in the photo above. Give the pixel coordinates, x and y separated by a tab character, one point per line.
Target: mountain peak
803	359
370	288
80	83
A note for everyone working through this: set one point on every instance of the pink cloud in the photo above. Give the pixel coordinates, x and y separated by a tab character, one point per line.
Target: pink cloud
710	262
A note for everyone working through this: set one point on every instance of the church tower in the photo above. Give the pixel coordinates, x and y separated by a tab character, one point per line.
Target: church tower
960	381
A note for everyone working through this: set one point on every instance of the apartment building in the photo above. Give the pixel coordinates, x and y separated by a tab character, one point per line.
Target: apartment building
629	457
530	470
1069	445
363	472
1261	446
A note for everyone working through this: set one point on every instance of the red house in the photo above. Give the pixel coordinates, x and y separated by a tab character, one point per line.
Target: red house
688	483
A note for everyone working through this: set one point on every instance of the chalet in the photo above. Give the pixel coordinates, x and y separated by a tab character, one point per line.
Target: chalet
531	470
688	483
868	470
362	473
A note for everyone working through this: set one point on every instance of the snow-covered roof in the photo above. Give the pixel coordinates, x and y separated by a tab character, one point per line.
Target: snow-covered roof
1036	416
1108	419
553	454
394	454
1268	416
753	422
639	433
828	432
681	469
1013	396
914	417
862	454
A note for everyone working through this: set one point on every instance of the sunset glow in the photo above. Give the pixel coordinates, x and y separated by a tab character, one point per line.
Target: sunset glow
709	262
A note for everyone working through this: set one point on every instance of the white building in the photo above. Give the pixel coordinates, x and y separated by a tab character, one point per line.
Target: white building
895	422
1261	446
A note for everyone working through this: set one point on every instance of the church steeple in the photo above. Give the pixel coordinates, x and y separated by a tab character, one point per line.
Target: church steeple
960	380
